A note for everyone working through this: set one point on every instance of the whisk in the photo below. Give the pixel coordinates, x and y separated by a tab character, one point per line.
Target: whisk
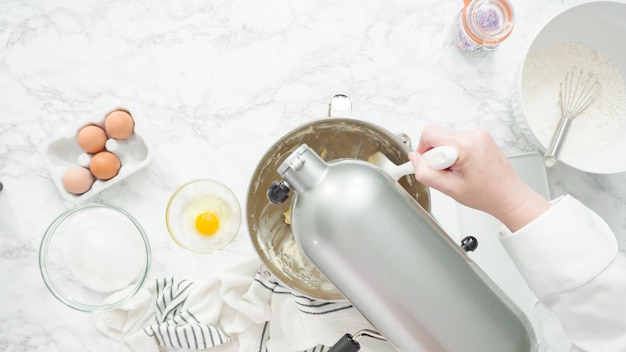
578	91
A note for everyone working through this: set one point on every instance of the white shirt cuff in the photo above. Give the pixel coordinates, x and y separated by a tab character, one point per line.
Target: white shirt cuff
563	248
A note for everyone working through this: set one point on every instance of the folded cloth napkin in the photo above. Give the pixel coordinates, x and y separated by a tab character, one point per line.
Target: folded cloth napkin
240	309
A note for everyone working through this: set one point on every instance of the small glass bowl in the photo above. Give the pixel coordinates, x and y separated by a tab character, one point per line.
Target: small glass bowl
94	257
191	200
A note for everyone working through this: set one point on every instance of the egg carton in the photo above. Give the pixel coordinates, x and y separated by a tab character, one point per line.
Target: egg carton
63	152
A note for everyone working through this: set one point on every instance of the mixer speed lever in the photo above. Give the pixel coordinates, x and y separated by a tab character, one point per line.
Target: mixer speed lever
345	344
349	343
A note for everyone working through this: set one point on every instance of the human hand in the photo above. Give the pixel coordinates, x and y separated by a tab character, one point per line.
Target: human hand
482	177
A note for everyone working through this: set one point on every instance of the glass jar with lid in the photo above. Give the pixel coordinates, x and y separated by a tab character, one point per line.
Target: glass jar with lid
483	24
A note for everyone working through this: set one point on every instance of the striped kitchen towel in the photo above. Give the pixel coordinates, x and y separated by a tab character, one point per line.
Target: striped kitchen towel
241	309
177	327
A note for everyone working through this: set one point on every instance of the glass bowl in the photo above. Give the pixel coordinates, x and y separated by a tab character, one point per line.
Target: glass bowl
94	257
203	216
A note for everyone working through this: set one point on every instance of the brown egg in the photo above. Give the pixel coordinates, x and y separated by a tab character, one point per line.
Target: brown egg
77	180
119	124
91	138
105	165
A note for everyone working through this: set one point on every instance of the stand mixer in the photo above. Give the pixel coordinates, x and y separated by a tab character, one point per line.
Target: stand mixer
392	261
356	233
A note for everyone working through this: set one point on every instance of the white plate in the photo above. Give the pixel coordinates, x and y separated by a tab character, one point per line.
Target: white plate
63	152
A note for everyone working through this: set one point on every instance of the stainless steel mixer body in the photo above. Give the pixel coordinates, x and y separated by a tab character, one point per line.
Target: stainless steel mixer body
390	258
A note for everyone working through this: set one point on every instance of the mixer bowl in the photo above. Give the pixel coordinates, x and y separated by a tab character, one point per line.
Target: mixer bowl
331	138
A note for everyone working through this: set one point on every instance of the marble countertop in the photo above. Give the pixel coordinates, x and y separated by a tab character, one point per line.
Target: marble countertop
217	82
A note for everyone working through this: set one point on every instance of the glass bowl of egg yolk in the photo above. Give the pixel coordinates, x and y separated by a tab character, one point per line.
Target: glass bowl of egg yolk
203	216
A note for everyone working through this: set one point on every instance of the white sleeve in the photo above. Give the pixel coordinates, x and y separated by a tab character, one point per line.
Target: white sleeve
569	257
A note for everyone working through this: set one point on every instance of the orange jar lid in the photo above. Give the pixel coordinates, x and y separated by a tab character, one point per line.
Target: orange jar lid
488	21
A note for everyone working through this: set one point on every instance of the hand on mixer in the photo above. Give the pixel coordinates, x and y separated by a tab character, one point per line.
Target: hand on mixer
481	178
568	256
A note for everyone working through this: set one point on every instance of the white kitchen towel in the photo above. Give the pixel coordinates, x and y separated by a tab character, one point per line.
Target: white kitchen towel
240	309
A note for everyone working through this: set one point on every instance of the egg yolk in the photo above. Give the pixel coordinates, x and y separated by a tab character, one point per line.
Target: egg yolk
207	223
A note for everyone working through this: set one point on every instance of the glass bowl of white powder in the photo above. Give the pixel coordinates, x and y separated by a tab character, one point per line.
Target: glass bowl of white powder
94	257
583	37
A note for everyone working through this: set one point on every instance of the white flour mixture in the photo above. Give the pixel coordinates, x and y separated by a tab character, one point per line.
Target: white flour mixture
592	130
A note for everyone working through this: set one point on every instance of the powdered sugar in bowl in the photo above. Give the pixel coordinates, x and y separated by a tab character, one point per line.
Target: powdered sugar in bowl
584	37
94	257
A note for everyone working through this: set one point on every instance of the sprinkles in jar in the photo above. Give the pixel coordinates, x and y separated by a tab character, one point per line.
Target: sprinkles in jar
483	24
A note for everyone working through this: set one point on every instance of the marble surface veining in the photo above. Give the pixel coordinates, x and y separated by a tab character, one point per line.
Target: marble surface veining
215	83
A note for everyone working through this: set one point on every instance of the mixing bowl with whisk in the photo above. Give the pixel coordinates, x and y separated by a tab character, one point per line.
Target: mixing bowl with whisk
596	141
